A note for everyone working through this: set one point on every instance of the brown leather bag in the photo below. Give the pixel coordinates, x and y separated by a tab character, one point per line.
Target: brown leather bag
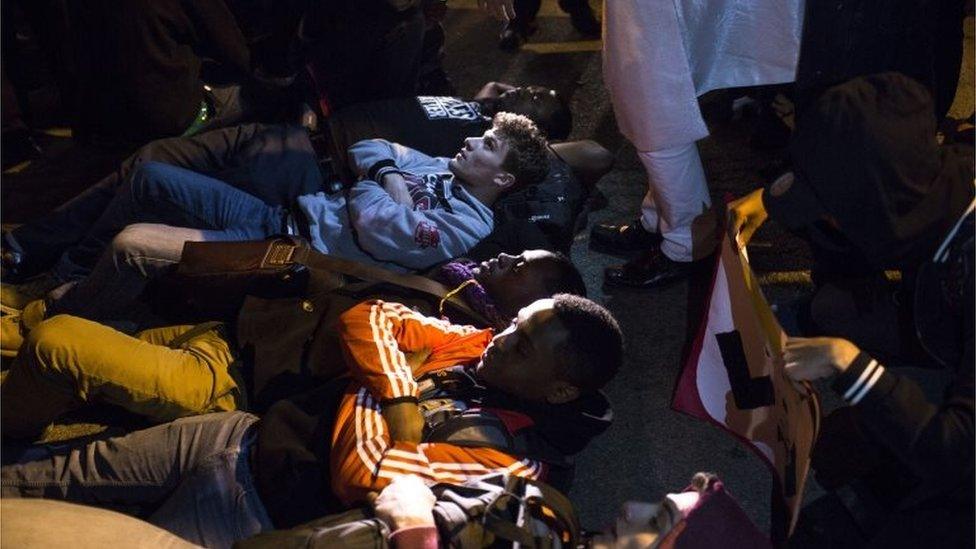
213	278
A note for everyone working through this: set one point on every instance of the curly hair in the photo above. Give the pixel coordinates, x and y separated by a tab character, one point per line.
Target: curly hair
595	346
527	157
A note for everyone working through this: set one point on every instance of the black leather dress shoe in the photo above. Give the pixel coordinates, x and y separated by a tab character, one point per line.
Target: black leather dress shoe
515	34
623	239
650	270
582	18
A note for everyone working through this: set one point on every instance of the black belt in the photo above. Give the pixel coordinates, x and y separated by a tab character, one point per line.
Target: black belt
323	158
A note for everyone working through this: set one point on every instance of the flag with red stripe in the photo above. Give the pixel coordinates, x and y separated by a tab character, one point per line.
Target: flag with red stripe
734	378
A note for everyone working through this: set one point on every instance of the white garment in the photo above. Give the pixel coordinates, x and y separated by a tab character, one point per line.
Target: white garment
671	209
658	57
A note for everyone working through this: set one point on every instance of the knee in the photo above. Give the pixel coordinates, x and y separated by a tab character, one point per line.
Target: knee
134	241
146	248
48	341
148	178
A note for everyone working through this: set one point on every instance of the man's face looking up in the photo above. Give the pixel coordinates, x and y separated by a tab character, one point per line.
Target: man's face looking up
525	360
479	162
514	281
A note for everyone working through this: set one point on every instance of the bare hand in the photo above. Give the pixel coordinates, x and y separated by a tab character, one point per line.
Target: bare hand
396	186
492	90
817	357
416	359
503	10
636	526
405	503
745	216
405	421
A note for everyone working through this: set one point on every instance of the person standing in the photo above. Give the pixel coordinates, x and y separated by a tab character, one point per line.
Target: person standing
658	57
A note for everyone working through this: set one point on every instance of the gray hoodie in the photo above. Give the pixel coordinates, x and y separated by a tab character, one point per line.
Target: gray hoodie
368	225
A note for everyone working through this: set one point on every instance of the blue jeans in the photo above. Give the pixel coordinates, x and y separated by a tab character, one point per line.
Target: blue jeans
191	477
275	163
159	209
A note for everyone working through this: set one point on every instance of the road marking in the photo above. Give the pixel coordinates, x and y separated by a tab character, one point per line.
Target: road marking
563	47
17	168
548	9
787	278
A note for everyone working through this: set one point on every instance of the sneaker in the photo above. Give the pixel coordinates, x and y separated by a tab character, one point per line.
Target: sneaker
623	239
17	296
651	270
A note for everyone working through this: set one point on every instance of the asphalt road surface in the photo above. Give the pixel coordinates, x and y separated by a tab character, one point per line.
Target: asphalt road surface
650	449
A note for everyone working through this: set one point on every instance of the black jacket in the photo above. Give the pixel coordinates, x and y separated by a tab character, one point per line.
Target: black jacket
140	61
932	440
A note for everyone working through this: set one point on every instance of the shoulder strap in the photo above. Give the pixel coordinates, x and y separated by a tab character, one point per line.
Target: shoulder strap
192	333
414	282
488	431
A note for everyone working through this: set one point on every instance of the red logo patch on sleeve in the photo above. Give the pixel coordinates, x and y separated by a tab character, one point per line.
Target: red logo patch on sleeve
426	235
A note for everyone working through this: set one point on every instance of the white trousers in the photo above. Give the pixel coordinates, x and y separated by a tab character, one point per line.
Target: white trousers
677	195
658	57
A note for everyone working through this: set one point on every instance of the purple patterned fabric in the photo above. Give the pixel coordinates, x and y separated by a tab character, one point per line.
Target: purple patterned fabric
454	274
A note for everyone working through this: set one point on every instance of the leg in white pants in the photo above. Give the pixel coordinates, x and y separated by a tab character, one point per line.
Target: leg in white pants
677	197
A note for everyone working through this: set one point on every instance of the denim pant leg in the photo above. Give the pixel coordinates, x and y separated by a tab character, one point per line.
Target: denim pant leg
218	503
164	194
51	240
136	255
139	470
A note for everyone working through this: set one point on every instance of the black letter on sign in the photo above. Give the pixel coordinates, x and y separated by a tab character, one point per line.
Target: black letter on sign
748	392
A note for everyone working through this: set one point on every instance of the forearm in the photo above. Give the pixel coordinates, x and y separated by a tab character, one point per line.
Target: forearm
936	442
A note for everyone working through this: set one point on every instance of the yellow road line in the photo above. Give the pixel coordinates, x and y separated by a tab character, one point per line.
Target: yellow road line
563	47
17	168
548	9
786	278
64	133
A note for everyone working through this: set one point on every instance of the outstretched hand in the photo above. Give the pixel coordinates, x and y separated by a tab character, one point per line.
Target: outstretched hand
405	503
745	216
817	357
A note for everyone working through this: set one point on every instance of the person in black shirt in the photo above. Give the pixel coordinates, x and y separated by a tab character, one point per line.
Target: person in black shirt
871	190
140	67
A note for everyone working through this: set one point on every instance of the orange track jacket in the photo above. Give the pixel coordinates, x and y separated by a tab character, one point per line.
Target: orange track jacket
375	335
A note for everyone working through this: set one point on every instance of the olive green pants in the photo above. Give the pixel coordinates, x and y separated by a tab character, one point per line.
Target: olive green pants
68	362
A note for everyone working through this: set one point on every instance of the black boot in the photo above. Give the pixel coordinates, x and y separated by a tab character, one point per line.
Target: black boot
581	16
515	33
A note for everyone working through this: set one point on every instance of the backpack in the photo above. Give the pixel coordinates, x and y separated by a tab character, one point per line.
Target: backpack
540	216
497	510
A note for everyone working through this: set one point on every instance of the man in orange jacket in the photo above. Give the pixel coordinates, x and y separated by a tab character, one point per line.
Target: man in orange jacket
443	401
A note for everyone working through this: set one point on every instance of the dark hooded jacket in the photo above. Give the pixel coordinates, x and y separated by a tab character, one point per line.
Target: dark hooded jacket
867	157
867	160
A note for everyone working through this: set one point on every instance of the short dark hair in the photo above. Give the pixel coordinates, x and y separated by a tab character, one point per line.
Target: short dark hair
527	158
595	346
544	106
567	279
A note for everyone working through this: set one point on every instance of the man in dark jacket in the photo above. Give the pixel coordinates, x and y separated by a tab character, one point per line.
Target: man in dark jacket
140	66
871	190
443	401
